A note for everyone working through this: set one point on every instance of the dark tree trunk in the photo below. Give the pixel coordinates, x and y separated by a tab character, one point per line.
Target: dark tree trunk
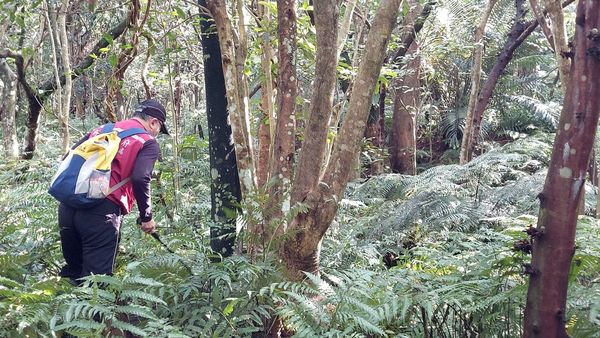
554	236
225	193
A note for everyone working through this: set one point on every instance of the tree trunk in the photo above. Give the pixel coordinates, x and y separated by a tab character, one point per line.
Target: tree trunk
236	94
301	249
537	11
266	127
8	110
475	78
553	239
345	25
287	91
519	31
55	47
403	139
404	118
65	109
559	37
114	102
315	133
225	190
375	134
410	30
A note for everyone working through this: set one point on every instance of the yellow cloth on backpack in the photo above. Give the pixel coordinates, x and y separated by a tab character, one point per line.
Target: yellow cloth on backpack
104	146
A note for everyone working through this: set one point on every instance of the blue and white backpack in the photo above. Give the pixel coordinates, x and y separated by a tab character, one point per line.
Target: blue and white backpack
83	177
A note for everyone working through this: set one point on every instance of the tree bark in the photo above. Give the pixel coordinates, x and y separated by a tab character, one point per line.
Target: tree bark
559	36
375	134
554	236
267	124
345	25
475	78
8	110
403	137
65	109
225	190
236	100
537	11
283	150
404	118
301	250
315	134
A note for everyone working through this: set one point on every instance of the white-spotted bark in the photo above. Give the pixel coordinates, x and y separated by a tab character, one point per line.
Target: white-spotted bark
237	104
554	236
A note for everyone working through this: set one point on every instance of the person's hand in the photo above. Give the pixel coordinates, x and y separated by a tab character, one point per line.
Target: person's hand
148	227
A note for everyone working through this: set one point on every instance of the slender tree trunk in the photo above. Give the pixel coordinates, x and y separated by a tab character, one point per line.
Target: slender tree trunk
225	190
345	25
404	118
237	101
315	133
56	47
542	21
475	78
114	102
554	236
66	67
374	134
519	31
267	124
283	150
559	36
8	110
301	250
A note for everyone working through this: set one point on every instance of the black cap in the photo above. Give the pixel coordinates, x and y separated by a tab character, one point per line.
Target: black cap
155	109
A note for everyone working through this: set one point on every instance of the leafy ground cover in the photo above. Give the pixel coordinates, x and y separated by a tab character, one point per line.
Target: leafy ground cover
440	254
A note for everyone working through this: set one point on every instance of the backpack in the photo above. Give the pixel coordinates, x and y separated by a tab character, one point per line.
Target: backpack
83	177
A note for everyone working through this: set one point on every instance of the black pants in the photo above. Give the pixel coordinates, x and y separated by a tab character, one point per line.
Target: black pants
89	239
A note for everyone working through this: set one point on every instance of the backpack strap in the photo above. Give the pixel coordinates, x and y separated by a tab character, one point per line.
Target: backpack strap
117	186
123	134
107	128
129	132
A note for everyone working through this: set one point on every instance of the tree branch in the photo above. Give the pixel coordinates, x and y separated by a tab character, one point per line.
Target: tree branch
50	85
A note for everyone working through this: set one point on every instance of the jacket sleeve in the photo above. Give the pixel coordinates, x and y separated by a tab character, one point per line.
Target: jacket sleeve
141	176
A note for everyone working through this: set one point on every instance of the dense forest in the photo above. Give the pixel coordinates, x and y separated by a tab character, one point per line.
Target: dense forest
333	168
